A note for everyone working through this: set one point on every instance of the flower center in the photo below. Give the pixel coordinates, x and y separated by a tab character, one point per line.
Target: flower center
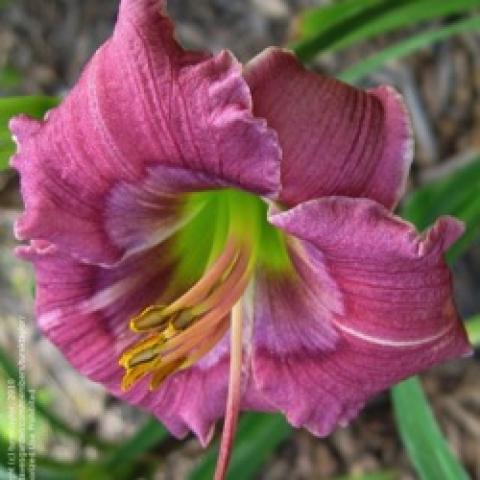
175	336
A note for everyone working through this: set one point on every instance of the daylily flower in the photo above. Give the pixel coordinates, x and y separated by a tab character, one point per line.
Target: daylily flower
209	238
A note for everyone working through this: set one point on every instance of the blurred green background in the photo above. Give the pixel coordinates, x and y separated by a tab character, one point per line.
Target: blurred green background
64	427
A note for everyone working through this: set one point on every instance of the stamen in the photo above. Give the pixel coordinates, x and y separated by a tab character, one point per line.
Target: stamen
234	393
232	290
195	343
135	354
200	289
185	331
157	316
133	375
207	345
163	372
216	296
178	360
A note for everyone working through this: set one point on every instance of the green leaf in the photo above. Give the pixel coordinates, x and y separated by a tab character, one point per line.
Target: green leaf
53	420
312	21
421	434
9	77
443	196
405	47
473	330
455	195
35	106
257	437
122	461
382	18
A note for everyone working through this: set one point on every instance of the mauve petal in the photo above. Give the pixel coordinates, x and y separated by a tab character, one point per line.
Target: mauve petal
336	139
85	310
385	310
139	215
141	103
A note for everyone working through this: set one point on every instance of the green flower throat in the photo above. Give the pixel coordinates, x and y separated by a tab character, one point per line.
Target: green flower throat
216	254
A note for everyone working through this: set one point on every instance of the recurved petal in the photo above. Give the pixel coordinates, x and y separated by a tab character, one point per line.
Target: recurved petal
386	306
85	310
336	139
141	104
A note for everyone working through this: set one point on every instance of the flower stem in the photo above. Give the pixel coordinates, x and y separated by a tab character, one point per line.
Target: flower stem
234	392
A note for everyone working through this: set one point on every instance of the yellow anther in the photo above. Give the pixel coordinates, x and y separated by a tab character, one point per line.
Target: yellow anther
152	317
141	352
206	346
133	375
163	372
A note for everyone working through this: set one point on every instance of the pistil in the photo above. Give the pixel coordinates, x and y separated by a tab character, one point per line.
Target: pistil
234	392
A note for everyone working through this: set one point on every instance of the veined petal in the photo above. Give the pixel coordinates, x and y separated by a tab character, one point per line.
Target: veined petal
85	309
142	103
336	139
387	307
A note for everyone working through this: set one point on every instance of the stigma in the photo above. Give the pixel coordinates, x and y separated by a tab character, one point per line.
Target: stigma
174	337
